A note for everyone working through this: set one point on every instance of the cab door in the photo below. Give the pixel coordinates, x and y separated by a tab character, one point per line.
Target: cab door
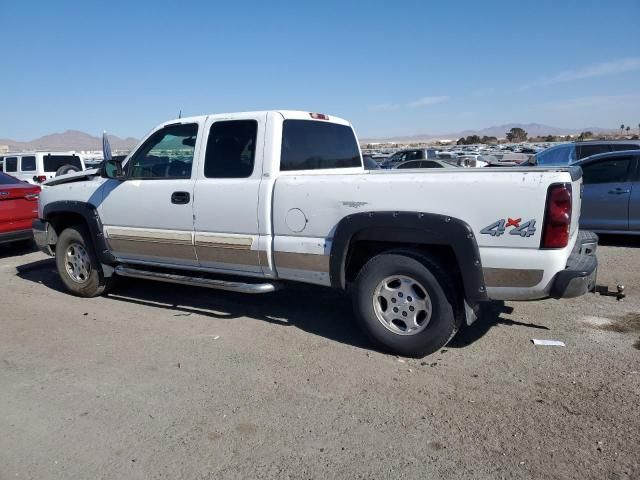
227	189
148	217
606	195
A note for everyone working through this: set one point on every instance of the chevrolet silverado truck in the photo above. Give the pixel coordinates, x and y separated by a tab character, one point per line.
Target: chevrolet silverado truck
250	202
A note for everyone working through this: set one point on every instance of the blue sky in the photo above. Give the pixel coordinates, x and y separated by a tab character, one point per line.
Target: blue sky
401	67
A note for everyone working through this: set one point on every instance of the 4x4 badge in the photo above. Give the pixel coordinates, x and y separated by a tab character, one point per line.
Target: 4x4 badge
497	228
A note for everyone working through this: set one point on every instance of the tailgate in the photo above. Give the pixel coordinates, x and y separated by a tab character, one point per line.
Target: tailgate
576	194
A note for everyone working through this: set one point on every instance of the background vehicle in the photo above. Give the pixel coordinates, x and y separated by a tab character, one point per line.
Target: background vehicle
425	164
18	209
611	196
369	163
37	167
567	153
246	201
410	154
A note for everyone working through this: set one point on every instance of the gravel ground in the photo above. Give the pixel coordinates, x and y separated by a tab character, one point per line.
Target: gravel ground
162	381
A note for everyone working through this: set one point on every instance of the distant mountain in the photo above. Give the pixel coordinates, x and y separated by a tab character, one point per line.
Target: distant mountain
499	131
70	140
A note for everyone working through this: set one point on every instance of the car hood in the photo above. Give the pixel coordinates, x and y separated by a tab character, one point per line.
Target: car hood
73	177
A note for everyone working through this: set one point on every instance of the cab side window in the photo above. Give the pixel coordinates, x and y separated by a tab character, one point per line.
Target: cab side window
168	153
231	149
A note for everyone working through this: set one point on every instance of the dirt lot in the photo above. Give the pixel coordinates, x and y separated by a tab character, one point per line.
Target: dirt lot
161	381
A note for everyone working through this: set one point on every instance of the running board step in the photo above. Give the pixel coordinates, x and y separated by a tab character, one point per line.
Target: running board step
197	281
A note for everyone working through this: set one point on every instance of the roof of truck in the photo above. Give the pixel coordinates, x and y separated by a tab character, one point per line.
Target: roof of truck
286	114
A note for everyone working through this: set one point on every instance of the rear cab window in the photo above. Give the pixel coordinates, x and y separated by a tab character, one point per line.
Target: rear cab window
10	164
52	163
318	145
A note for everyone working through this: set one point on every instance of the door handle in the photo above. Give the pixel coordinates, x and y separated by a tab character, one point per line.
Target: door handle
180	198
618	191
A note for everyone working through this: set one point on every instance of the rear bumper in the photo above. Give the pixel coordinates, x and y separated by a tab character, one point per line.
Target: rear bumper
8	237
42	235
580	274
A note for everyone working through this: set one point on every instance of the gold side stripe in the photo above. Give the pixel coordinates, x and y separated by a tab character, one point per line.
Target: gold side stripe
302	261
222	245
219	241
150	240
512	277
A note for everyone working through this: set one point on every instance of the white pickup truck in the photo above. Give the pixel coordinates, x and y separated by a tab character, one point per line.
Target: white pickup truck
251	201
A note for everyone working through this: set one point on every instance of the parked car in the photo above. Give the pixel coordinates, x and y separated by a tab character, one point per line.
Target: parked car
250	201
425	164
409	154
18	209
37	167
369	163
568	153
611	196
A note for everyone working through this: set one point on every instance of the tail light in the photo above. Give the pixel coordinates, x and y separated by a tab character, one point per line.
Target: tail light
557	218
39	178
319	116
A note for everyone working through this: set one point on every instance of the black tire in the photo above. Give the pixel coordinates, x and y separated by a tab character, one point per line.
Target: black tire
94	283
66	169
445	313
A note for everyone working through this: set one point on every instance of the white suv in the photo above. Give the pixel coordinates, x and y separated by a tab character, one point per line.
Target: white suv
37	167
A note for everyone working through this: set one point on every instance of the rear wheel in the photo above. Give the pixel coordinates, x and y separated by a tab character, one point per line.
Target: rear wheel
78	265
401	304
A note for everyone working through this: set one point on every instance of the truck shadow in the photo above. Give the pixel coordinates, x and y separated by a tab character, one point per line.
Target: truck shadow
317	310
490	316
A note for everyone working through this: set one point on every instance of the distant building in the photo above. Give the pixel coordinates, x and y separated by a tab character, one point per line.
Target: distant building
4	149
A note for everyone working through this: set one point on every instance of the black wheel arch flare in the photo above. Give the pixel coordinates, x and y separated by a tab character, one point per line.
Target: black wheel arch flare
410	227
90	215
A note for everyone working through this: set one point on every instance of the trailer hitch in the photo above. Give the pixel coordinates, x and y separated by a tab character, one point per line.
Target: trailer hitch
604	291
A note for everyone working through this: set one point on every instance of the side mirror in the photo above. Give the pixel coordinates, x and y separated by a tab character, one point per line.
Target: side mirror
112	169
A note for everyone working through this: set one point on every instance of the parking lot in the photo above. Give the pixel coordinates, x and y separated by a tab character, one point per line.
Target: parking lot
165	381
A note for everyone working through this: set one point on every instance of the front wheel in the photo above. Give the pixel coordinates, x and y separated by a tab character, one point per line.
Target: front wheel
401	303
78	265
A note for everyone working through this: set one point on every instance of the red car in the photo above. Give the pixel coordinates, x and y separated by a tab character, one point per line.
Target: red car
18	208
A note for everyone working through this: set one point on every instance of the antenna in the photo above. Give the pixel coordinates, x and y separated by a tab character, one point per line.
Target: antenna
180	114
